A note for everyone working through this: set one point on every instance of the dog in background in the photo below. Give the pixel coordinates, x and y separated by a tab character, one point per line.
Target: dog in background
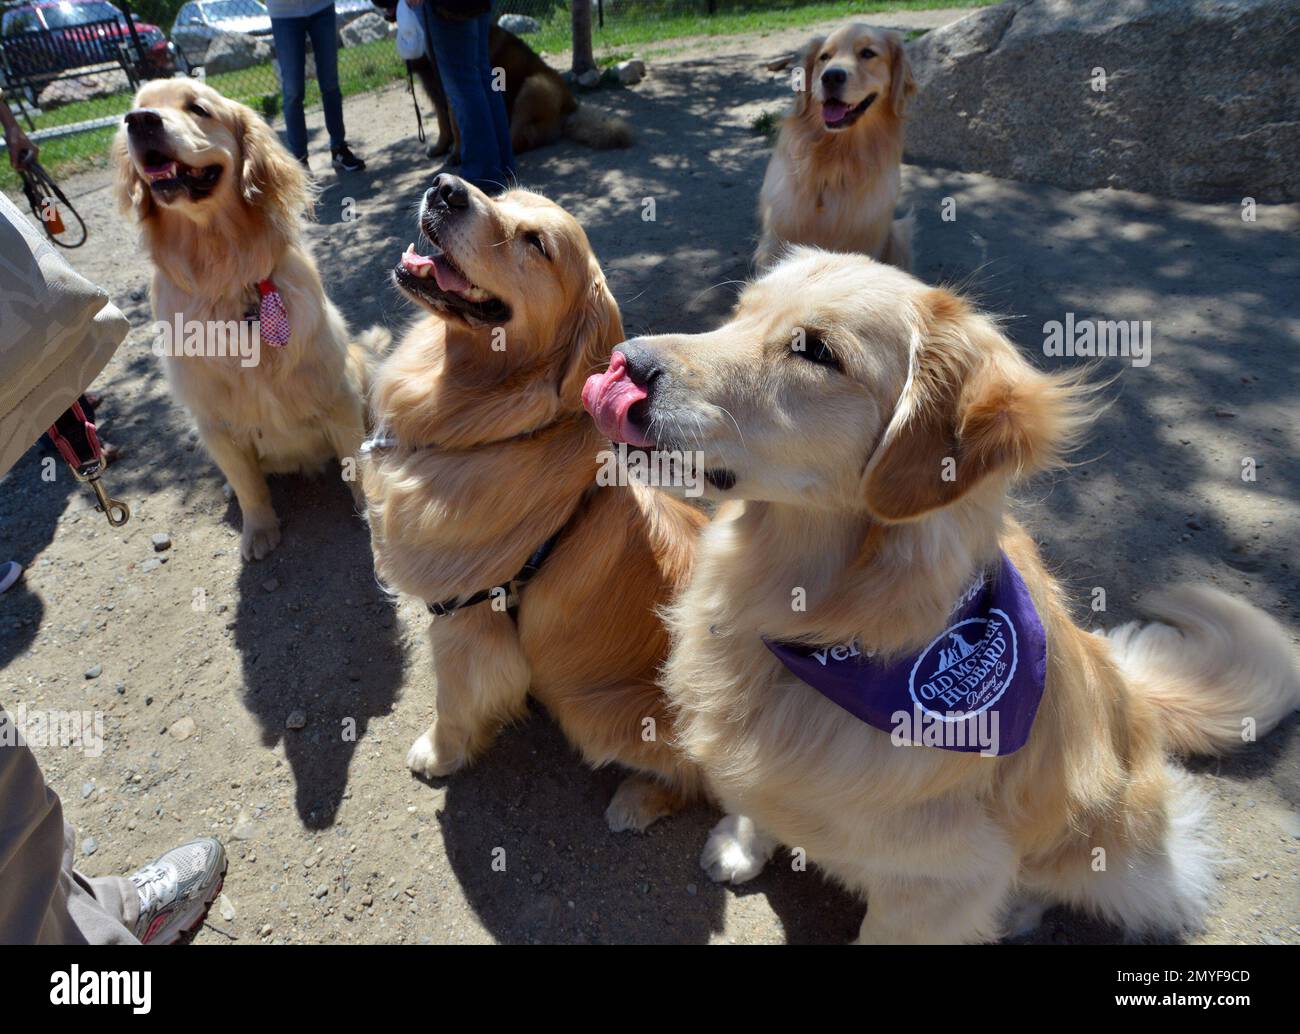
220	201
539	104
871	468
482	475
834	177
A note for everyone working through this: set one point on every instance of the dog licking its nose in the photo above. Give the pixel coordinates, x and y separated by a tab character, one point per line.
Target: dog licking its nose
609	398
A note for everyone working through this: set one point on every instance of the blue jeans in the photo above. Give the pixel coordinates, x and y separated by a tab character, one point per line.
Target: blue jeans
291	53
461	50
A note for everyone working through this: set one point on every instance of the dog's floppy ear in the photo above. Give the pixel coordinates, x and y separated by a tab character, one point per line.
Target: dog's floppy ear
902	85
269	176
129	188
972	408
590	335
807	59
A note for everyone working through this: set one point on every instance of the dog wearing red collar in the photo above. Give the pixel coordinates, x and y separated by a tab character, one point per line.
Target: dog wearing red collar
252	347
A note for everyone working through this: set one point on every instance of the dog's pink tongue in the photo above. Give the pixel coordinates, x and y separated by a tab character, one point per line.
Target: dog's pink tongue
834	111
449	279
609	396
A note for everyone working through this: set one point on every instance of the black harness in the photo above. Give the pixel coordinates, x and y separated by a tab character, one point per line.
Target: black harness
509	591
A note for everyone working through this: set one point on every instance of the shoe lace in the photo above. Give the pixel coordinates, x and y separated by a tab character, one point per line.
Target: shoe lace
151	883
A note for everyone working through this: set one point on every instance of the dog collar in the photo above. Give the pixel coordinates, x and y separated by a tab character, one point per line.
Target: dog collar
975	687
506	592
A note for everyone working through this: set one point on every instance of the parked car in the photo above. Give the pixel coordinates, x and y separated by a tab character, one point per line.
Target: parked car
64	47
200	22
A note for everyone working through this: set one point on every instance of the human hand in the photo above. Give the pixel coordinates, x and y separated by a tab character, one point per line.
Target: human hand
21	149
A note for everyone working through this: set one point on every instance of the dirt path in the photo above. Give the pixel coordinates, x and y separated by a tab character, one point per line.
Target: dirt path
330	839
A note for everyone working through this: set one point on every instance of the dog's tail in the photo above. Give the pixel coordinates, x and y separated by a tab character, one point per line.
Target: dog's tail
364	353
596	129
898	248
1220	672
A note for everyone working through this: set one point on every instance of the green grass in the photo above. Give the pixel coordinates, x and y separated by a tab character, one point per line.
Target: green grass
765	124
648	26
373	65
361	69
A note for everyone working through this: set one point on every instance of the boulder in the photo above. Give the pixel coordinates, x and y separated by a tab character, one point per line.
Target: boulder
519	24
1194	99
367	29
231	51
630	72
84	88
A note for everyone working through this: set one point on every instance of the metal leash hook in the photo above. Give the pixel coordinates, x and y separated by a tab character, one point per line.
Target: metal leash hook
117	512
90	469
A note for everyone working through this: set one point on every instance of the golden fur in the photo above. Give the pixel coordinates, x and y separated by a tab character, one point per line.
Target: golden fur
300	405
839	491
488	454
837	188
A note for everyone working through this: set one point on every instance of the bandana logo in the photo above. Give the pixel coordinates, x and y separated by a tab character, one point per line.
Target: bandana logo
974	687
966	668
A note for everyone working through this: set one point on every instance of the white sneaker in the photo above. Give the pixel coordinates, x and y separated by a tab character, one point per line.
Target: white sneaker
177	890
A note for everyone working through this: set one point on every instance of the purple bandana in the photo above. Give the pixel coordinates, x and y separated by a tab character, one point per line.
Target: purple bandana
975	687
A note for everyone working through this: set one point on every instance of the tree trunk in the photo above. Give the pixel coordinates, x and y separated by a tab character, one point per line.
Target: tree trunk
583	59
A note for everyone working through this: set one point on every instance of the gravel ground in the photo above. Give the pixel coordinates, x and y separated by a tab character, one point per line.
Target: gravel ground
229	692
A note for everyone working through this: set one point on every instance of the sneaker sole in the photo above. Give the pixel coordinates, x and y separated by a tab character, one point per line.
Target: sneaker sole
189	933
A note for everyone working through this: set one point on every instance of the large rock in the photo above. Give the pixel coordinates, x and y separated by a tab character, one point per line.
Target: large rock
84	88
519	24
231	51
367	29
1201	98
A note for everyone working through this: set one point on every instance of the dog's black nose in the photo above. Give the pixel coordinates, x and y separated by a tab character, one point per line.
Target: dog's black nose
447	192
643	364
834	77
143	119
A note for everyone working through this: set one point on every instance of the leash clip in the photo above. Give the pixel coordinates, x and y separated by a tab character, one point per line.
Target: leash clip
117	512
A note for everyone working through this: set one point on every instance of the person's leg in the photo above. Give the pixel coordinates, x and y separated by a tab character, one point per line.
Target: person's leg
325	47
460	60
496	98
42	900
291	54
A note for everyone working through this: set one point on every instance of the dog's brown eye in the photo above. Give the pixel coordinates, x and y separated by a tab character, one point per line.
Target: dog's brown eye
867	54
815	350
824	57
536	241
195	108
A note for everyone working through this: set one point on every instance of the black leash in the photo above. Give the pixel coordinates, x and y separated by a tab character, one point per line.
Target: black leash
419	119
42	193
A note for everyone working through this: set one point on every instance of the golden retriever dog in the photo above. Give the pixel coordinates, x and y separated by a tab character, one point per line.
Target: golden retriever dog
834	177
482	475
864	474
220	204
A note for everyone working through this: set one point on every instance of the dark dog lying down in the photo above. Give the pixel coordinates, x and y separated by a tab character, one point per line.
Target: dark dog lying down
539	103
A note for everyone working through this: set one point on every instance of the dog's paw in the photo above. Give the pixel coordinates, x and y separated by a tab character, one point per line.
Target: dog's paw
423	759
637	803
259	538
736	850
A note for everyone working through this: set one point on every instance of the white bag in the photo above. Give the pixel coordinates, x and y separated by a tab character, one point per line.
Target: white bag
410	33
